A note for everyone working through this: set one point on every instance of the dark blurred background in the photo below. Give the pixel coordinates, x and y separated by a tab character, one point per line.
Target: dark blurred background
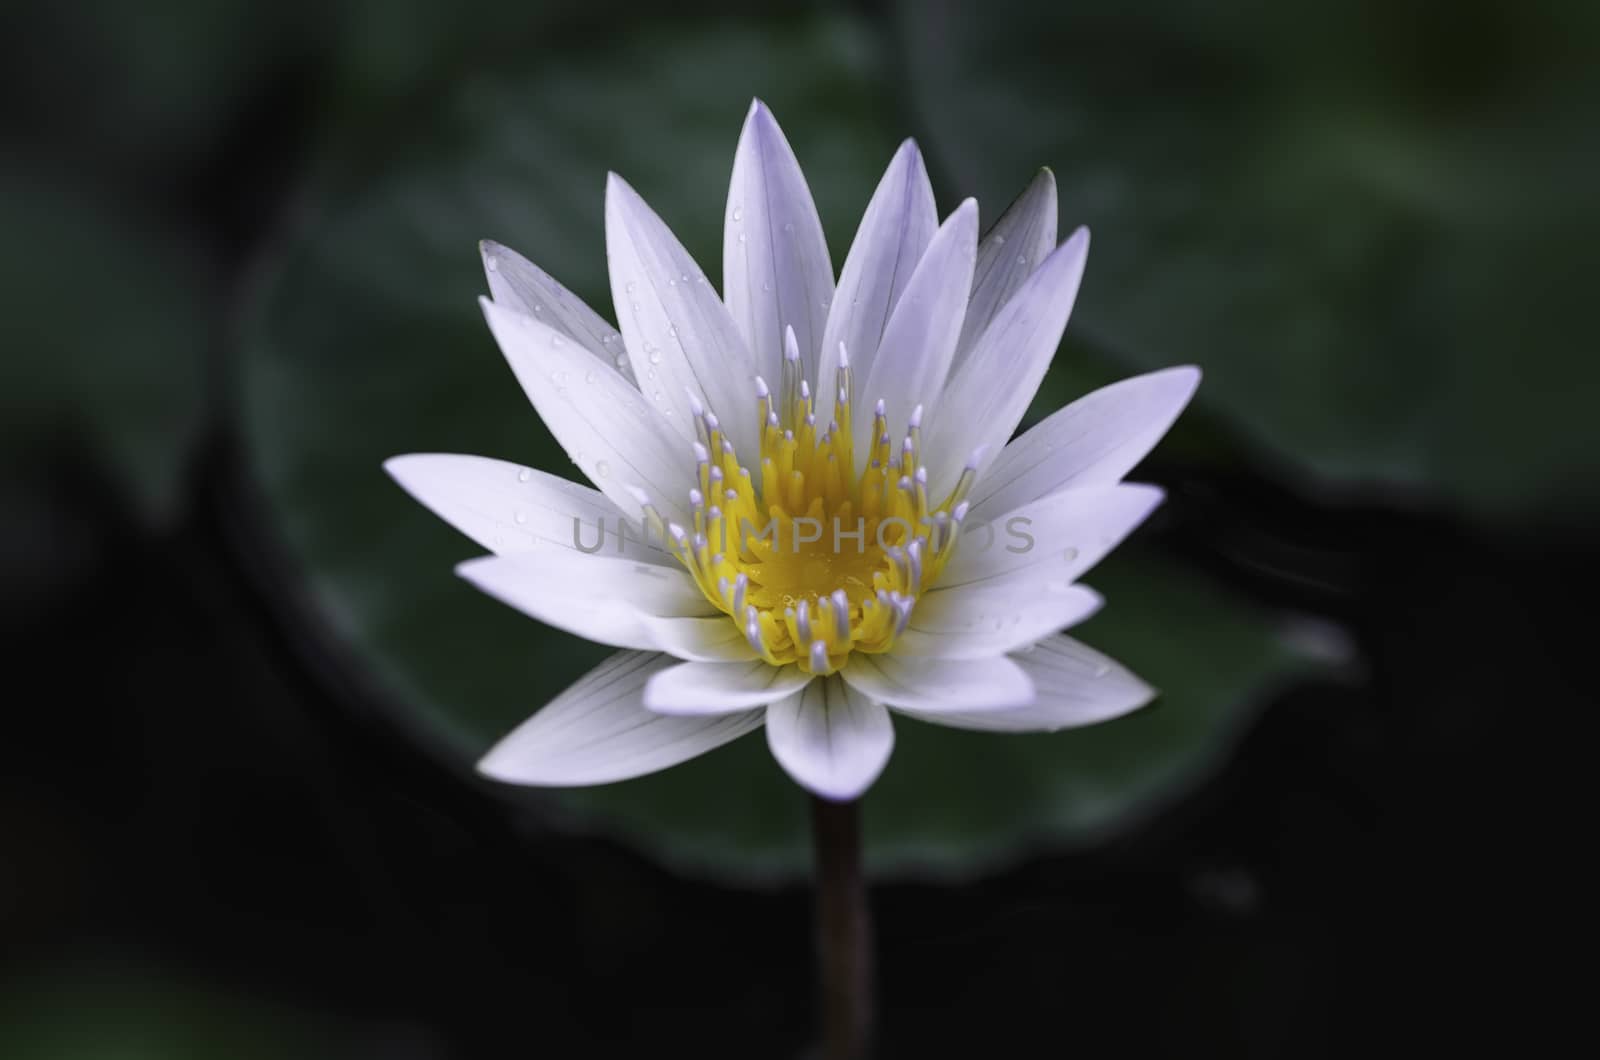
237	811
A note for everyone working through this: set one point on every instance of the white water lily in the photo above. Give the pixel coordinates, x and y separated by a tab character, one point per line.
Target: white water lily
807	513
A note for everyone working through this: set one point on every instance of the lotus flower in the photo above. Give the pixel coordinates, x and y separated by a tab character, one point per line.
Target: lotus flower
808	510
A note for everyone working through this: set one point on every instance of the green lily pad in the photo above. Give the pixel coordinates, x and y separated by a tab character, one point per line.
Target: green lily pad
106	346
108	1013
369	344
1368	230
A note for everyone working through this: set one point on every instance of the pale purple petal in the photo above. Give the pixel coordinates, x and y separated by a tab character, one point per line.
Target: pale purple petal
1074	686
831	739
987	396
775	264
1094	441
517	283
895	230
913	358
682	342
598	731
717	688
1016	245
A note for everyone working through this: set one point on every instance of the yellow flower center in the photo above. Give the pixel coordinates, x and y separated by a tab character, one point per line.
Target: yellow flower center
809	559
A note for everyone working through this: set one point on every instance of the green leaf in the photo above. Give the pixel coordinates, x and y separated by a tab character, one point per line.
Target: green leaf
107	338
115	1014
370	345
1368	228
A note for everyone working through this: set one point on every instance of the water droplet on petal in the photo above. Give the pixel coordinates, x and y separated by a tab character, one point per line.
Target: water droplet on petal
602	469
649	373
1070	554
632	287
656	396
492	264
741	237
788	226
556	340
999	240
1022	259
622	360
738	213
521	517
524	475
537	308
655	356
589	377
671	282
672	329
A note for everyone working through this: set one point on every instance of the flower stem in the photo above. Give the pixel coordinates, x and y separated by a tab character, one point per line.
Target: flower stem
844	931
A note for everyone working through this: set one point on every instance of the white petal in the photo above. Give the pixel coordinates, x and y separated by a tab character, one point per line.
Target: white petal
680	337
611	601
1075	685
1057	538
913	359
1094	441
775	264
895	230
830	738
598	731
994	616
912	682
1022	238
716	688
519	284
599	418
987	396
508	508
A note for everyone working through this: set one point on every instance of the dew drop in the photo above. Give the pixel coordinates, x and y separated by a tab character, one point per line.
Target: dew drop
524	475
1022	259
492	264
622	361
649	373
589	377
1070	554
1101	669
999	240
738	213
537	309
672	329
632	287
741	237
556	340
521	517
671	282
655	356
766	285
826	302
635	306
602	469
684	277
656	396
788	226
